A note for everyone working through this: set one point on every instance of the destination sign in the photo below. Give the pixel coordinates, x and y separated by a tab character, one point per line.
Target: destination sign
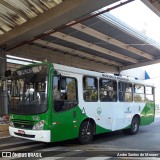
115	77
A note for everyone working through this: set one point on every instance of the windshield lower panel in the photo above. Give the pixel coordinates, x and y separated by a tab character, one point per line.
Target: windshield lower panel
29	95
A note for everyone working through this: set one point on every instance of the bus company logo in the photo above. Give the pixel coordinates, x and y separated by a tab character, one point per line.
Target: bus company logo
128	110
20	155
99	111
6	154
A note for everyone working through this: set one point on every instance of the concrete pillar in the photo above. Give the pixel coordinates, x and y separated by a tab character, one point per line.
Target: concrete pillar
3	84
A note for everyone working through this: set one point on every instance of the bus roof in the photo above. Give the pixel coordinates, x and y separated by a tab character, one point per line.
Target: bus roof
74	70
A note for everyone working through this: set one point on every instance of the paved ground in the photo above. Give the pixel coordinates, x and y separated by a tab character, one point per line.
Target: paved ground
104	146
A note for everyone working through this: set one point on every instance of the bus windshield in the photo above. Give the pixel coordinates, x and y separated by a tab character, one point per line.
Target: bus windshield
28	94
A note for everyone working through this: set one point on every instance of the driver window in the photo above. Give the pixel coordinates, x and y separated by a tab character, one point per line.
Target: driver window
64	93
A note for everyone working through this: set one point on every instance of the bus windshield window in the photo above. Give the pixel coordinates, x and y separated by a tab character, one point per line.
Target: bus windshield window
29	94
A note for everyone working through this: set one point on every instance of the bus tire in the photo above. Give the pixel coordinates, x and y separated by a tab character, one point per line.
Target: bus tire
85	133
134	126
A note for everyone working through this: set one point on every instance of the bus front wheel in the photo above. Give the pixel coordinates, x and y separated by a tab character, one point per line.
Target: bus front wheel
85	133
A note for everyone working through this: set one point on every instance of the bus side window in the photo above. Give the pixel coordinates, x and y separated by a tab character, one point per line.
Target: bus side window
108	90
139	95
90	89
149	94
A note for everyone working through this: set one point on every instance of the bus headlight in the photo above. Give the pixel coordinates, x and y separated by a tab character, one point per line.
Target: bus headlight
11	124
39	125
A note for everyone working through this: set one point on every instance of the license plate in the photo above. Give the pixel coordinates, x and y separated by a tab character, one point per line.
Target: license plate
21	132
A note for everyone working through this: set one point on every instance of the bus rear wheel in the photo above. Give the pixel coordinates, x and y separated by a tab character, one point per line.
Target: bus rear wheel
134	126
85	133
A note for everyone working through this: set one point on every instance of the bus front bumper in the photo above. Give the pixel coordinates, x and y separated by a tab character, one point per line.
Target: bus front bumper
35	135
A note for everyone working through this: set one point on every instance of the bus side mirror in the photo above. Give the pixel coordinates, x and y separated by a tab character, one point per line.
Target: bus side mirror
3	85
63	84
8	73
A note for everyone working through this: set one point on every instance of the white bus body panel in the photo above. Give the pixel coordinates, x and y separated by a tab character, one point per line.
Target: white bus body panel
39	135
114	115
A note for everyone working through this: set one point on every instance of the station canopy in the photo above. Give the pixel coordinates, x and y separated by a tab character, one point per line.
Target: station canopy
71	28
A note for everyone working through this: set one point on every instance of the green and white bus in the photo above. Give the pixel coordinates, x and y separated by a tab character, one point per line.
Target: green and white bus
51	102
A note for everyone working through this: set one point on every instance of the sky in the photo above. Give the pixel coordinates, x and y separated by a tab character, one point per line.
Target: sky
137	15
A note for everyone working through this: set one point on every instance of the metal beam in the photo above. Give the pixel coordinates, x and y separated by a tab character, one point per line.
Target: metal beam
103	37
7	23
36	5
40	53
3	30
57	16
7	5
77	53
153	5
93	47
5	18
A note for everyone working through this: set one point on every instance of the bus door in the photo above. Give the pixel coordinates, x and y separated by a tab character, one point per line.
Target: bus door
128	111
104	117
125	104
108	98
122	115
64	108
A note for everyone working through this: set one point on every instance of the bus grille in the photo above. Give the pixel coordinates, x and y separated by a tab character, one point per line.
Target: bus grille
24	124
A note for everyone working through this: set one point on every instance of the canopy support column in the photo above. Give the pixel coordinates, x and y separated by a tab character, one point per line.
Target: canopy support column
3	83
